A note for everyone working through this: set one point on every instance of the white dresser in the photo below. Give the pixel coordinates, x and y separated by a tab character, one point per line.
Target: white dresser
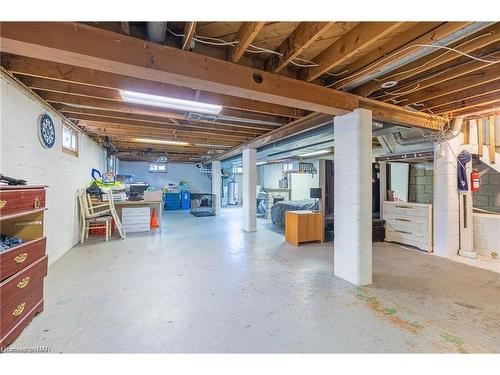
136	219
409	223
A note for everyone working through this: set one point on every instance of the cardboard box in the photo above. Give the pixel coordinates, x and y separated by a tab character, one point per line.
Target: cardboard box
153	195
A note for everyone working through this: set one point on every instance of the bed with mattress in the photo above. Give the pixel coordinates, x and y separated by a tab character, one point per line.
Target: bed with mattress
279	208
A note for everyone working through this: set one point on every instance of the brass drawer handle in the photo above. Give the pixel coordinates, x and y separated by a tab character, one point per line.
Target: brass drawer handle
21	258
36	203
23	283
19	309
2	204
402	231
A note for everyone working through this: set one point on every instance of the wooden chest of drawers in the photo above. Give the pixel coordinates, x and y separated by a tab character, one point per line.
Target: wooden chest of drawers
409	223
24	266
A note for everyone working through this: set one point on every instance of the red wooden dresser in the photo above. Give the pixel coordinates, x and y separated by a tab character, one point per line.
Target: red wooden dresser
24	266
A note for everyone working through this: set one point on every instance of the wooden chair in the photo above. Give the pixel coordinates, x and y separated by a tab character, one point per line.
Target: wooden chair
107	208
90	219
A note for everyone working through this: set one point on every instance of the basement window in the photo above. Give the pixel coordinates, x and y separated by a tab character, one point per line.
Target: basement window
69	140
157	168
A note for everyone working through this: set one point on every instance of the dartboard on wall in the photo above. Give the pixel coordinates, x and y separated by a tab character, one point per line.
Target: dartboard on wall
46	131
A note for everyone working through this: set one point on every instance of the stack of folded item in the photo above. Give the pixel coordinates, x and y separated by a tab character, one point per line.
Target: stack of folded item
7	242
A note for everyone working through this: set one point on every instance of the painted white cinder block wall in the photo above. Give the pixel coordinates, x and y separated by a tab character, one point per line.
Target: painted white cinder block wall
22	156
198	182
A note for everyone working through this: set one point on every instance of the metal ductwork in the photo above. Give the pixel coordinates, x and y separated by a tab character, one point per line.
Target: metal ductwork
157	31
454	130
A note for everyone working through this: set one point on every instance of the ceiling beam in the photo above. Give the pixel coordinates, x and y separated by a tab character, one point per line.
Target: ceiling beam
189	31
301	38
37	83
245	35
403	52
481	39
467	93
115	53
107	129
95	78
380	52
163	126
70	111
360	37
54	97
478	101
453	80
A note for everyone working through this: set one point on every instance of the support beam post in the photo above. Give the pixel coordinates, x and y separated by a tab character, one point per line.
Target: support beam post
249	190
353	197
446	209
216	185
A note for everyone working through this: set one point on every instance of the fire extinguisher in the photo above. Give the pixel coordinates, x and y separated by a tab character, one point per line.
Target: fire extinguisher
475	179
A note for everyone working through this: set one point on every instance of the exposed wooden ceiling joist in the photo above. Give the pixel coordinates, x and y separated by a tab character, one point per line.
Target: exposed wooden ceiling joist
479	40
245	35
53	97
453	80
301	38
478	101
107	51
466	93
357	39
70	112
73	74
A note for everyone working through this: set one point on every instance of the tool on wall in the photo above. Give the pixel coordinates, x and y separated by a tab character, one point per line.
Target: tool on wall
12	181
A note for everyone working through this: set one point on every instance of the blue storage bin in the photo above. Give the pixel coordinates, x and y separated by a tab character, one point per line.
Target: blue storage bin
172	201
185	200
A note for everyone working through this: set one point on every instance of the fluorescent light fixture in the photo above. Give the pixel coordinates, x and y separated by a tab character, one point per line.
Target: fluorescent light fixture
161	142
322	152
172	103
261	162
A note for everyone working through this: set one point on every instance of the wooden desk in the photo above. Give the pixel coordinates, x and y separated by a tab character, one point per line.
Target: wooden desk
303	226
156	204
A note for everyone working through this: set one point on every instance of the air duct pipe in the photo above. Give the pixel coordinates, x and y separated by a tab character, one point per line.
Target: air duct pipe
157	31
454	130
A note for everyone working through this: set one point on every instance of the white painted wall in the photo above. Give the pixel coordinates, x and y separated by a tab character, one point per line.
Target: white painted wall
22	156
198	182
268	175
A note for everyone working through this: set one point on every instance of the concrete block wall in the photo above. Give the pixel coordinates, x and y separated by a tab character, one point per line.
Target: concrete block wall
488	197
421	188
23	156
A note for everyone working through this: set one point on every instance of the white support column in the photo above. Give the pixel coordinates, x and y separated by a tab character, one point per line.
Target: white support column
353	197
249	190
216	185
383	186
445	208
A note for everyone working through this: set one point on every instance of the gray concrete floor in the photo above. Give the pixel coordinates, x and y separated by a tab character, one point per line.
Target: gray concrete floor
203	285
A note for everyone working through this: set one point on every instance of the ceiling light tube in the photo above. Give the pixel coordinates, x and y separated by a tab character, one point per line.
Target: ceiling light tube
171	103
161	141
209	145
322	152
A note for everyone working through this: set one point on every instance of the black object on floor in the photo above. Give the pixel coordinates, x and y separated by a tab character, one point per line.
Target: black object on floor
202	213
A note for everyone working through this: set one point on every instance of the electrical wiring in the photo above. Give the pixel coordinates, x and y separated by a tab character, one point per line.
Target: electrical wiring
337	74
407	48
430	61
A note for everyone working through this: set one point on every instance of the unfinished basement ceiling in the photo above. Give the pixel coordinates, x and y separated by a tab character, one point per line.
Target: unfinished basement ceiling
359	58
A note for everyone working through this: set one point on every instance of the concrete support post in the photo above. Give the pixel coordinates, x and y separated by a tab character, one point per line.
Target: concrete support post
445	208
353	197
216	185
249	190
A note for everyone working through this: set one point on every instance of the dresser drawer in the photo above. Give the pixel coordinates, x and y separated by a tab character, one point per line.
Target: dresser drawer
136	211
7	338
418	240
136	228
17	258
14	311
22	282
412	224
405	209
17	201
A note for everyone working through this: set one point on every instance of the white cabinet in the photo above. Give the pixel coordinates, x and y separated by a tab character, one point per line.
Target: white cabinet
409	223
136	219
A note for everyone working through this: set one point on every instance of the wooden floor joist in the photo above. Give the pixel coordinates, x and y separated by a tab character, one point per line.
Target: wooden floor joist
120	54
